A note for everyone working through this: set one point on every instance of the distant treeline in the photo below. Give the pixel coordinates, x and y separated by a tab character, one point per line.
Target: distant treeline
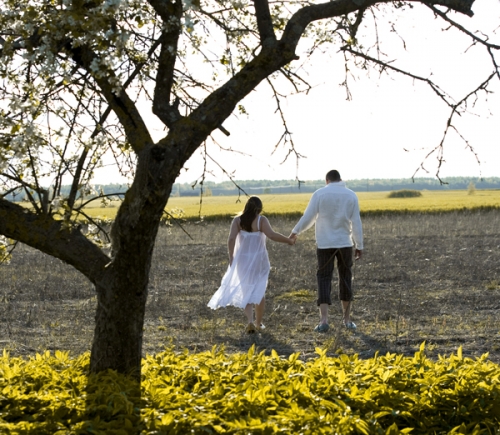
260	187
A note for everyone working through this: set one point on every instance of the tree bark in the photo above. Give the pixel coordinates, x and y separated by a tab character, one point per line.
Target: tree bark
53	237
123	290
119	321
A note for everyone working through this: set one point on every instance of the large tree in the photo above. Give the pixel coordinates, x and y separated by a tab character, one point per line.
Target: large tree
76	77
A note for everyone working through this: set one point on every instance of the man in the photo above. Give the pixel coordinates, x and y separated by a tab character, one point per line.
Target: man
335	211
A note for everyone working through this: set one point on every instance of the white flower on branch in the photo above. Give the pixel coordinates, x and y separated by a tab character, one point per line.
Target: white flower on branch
56	202
190	4
188	23
238	4
4	251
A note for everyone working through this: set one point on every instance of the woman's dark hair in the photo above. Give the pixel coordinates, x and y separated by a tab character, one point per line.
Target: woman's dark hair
252	208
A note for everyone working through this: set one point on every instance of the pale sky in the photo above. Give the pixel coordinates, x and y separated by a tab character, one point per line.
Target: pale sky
367	137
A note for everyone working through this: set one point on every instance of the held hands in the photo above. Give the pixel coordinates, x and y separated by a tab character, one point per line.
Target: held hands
293	238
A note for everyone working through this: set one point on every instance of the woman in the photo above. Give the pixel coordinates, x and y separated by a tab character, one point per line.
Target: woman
245	281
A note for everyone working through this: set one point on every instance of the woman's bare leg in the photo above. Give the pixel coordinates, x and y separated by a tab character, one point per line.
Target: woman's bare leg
249	312
259	312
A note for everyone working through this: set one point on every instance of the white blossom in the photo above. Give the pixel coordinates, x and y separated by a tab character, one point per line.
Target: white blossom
238	4
188	22
188	4
56	202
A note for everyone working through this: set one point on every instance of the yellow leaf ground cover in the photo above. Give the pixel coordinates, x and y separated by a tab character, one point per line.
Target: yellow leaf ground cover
250	393
295	204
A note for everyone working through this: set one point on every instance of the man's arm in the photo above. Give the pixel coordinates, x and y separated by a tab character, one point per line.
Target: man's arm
357	228
308	218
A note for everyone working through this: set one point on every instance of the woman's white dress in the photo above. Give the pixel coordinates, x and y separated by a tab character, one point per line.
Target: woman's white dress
245	281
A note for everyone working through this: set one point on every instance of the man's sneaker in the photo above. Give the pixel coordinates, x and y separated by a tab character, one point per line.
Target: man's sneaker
322	327
350	325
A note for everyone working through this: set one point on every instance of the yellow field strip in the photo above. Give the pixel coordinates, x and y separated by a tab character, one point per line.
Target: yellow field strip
370	202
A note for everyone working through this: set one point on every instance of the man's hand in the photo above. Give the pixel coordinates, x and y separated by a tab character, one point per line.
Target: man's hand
293	237
358	253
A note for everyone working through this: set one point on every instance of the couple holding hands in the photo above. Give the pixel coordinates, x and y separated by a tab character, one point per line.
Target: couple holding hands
334	210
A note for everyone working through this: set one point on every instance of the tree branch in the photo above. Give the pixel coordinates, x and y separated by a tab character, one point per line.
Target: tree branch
353	28
264	22
385	65
231	178
221	103
119	101
286	137
475	38
51	236
28	188
171	14
306	15
98	129
454	110
461	28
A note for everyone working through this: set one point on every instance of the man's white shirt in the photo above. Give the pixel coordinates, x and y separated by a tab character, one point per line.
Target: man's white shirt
335	211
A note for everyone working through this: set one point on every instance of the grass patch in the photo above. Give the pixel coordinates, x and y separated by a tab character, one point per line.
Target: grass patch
296	296
493	285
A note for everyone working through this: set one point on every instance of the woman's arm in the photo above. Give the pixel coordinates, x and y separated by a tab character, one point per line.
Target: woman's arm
266	228
231	241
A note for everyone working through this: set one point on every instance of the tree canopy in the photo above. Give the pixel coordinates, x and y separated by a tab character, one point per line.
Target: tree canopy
81	79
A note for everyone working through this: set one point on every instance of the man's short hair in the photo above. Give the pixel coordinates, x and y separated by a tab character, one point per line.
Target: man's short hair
333	175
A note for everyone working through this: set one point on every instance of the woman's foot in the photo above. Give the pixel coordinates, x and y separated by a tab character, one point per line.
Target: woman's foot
260	327
251	329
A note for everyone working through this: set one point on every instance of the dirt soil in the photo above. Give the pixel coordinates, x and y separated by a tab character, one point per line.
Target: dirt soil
432	278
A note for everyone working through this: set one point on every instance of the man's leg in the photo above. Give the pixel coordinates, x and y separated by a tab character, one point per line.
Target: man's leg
344	264
324	277
323	313
346	310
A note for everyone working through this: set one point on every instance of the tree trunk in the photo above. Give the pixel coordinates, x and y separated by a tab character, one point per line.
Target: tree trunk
119	321
121	300
122	290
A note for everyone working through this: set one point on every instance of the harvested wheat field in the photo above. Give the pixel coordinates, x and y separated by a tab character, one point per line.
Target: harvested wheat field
432	278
